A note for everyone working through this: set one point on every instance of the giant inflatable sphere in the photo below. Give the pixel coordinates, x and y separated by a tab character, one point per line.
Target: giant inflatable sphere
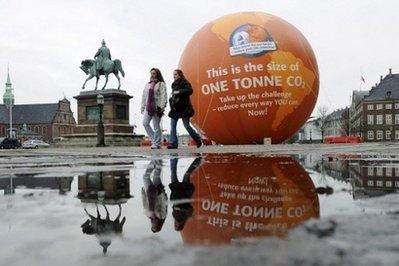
254	76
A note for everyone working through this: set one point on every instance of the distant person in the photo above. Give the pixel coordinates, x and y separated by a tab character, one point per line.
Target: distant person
181	107
155	200
181	193
153	105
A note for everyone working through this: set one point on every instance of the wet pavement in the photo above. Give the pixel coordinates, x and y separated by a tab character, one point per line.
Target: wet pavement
216	209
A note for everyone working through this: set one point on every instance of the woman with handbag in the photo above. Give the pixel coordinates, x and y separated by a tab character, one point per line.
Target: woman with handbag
181	107
153	105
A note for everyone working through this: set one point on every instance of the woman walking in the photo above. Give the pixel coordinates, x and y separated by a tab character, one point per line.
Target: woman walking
181	107
153	105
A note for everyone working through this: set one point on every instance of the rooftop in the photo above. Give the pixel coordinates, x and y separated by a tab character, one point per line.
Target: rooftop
388	88
29	113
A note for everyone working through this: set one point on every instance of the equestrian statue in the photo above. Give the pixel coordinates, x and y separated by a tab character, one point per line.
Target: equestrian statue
102	65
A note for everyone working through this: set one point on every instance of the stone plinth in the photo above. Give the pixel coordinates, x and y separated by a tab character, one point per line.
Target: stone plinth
118	131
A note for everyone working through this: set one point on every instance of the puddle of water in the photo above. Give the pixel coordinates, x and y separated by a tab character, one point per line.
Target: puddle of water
208	200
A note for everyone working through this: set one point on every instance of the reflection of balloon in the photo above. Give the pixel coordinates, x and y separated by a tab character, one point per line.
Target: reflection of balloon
238	103
238	196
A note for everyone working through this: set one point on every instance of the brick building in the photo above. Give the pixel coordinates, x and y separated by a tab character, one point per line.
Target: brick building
376	116
374	178
46	121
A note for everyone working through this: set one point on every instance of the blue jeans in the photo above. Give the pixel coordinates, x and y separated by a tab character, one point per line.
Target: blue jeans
186	122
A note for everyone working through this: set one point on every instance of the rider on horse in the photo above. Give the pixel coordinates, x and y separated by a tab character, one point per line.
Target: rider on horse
101	56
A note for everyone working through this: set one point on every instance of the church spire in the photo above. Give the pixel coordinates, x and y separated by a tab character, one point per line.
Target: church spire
8	83
8	96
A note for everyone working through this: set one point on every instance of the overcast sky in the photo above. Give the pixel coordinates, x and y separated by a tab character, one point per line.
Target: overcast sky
45	40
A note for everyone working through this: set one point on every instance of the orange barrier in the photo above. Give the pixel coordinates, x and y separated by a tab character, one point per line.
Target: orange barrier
342	139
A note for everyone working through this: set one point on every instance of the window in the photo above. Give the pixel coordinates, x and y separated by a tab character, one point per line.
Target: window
379	119
397	119
370	171
379	106
388	184
396	134
388	106
388	134
371	107
388	171
380	134
396	105
121	112
379	171
370	119
396	183
370	182
370	134
388	119
380	183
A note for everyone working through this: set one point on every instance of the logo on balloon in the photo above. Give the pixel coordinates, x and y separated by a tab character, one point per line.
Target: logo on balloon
251	40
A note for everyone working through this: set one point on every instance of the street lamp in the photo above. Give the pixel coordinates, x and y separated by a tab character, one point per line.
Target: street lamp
100	126
10	106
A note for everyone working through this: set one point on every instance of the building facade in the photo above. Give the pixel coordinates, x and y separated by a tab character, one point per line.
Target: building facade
337	123
46	121
311	131
377	115
355	111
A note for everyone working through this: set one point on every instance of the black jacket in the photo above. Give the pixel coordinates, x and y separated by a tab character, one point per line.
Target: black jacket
180	104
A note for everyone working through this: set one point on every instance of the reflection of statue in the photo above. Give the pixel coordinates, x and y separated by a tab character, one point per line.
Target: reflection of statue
106	187
155	200
104	229
181	193
102	65
109	189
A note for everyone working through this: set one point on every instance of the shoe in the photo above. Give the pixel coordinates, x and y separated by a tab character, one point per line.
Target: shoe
200	144
156	147
170	147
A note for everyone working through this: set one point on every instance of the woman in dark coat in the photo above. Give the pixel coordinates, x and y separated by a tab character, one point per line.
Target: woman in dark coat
181	107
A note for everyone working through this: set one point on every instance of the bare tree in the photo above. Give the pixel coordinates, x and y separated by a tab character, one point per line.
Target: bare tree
322	112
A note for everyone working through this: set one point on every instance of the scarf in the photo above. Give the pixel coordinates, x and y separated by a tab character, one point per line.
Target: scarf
151	105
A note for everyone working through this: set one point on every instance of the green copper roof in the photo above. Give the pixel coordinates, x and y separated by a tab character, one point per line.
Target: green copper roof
8	83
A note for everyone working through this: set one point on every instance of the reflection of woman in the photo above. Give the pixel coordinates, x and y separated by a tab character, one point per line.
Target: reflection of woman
103	228
155	200
181	193
153	105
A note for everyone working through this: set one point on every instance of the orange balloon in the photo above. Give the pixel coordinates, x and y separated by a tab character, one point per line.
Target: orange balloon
254	76
248	196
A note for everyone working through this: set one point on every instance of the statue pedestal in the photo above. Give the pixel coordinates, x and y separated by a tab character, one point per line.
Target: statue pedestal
118	131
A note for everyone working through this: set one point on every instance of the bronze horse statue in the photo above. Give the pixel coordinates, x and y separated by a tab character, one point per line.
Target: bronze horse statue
110	66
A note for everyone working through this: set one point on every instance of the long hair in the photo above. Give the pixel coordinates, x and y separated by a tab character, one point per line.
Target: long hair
181	74
159	75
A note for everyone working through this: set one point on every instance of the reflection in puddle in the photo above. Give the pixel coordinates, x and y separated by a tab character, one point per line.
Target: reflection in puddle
8	185
208	200
107	189
237	196
368	177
